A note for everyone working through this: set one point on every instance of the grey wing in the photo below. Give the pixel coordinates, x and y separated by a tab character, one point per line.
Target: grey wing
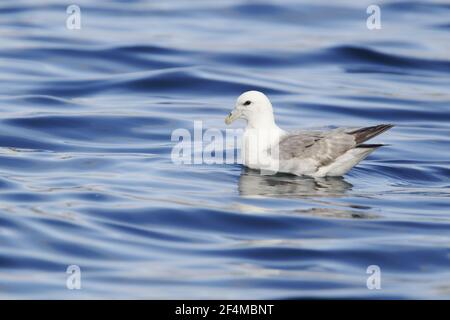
318	146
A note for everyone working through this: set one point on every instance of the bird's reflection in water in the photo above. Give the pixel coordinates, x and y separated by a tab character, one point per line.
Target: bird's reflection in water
252	183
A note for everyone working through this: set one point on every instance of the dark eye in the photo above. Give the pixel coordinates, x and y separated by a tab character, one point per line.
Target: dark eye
246	103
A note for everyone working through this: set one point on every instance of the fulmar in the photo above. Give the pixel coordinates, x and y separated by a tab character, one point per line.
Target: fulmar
312	153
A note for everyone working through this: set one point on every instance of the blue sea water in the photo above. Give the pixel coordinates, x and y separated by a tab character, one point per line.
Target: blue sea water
86	176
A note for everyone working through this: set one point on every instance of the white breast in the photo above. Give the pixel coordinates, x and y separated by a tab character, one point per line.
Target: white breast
260	148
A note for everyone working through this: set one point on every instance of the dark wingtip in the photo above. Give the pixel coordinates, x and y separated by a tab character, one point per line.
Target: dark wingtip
383	126
364	134
371	146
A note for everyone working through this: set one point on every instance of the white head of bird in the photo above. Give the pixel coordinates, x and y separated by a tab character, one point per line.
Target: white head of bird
261	136
255	108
